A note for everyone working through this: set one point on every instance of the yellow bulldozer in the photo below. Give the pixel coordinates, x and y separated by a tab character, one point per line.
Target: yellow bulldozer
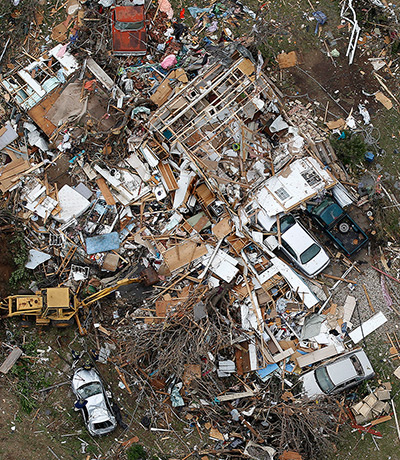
59	306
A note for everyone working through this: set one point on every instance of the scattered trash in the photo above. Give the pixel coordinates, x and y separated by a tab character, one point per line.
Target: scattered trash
168	200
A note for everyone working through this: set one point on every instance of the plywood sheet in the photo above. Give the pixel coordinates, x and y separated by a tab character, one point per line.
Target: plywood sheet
162	93
182	254
222	228
39	112
336	124
287	60
367	327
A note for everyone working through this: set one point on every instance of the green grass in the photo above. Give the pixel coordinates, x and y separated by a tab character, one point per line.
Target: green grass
355	446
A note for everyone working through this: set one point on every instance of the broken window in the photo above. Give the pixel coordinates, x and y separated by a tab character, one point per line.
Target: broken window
311	177
282	194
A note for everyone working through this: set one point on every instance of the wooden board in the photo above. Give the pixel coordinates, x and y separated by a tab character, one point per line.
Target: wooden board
205	196
10	360
381	420
380	97
316	356
242	358
39	111
222	228
105	191
11	172
367	327
233	396
168	176
162	94
183	254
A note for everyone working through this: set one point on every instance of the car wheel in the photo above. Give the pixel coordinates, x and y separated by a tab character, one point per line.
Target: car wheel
344	227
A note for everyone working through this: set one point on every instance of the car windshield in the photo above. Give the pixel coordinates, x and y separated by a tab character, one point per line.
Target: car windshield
323	380
129	25
331	213
286	222
89	389
309	253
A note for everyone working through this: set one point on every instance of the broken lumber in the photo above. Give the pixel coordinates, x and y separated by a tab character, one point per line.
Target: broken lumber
11	360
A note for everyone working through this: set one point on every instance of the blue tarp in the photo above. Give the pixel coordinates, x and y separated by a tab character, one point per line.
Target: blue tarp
102	243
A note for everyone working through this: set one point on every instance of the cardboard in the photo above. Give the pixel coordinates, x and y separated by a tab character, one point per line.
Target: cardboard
162	93
336	124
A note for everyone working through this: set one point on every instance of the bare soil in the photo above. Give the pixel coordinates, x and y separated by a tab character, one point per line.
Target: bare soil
7	265
345	84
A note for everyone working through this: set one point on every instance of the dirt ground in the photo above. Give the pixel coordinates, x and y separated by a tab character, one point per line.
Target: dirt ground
345	87
6	264
53	430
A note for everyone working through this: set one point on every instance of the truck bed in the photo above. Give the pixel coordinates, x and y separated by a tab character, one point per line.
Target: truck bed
353	239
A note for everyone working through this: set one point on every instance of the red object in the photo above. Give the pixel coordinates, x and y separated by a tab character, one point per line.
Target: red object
366	429
90	85
182	13
128	30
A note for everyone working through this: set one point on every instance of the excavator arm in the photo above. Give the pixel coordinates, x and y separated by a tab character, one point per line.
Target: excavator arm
107	291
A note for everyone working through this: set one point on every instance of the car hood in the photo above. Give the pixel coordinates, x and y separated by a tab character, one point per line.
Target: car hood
311	388
99	414
82	377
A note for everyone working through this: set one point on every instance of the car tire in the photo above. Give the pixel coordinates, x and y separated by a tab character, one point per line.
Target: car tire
344	227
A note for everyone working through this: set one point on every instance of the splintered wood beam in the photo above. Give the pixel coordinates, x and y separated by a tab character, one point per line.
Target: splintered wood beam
11	360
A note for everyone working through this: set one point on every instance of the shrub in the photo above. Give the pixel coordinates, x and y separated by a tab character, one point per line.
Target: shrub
136	452
349	150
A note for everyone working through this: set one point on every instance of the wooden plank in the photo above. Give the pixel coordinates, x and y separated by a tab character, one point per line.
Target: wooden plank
368	299
349	306
204	194
316	356
381	420
10	173
105	191
10	360
233	396
346	280
367	327
168	176
100	75
222	228
39	111
183	254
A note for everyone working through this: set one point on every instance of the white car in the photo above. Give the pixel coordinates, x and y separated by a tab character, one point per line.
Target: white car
300	247
93	402
346	371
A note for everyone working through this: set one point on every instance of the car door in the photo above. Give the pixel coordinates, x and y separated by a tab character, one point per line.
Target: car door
289	252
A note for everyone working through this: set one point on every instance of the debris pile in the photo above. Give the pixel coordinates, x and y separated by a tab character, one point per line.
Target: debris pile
184	168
